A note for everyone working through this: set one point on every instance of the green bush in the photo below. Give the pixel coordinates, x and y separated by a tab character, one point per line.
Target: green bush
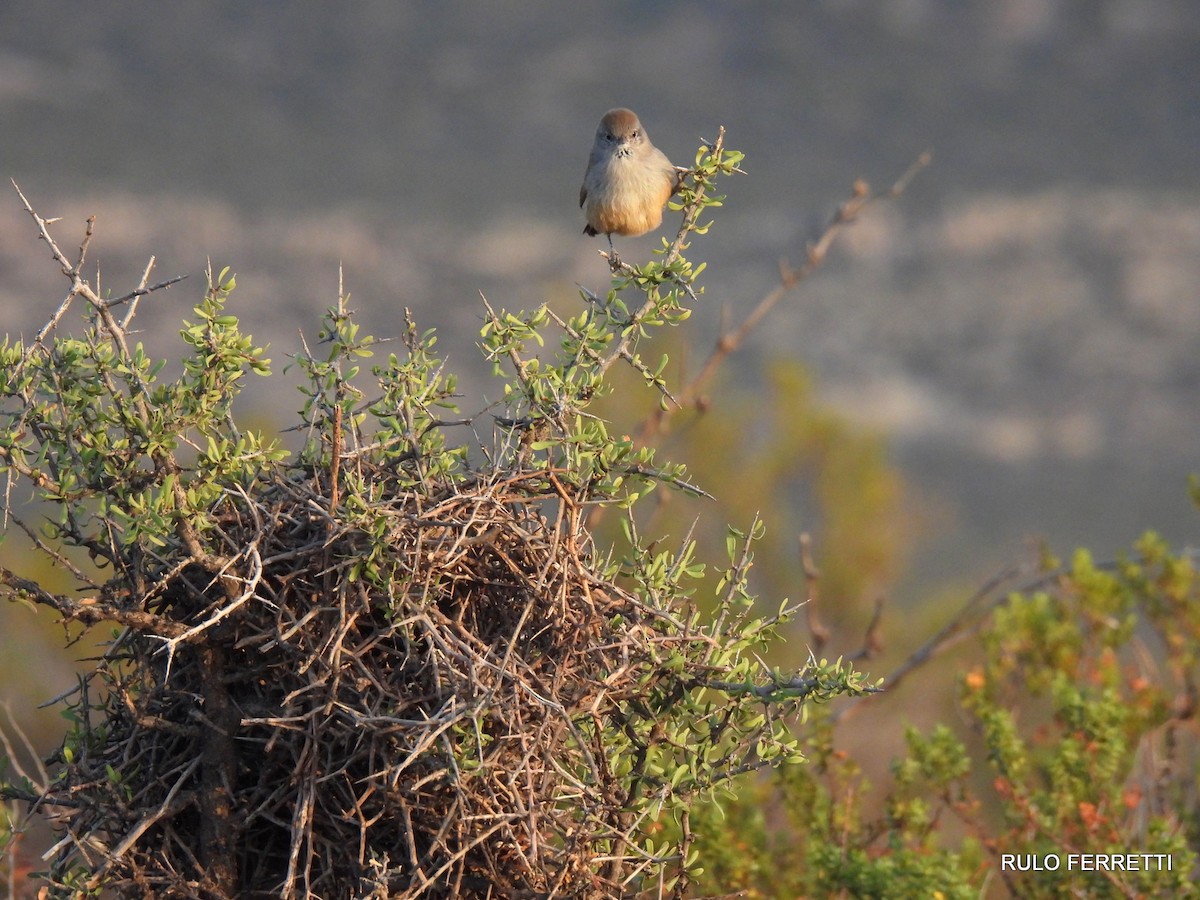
395	662
1077	740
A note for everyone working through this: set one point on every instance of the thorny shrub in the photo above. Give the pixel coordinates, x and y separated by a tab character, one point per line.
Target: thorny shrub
394	663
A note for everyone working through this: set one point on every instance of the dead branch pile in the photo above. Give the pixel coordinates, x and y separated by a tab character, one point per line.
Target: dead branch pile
436	738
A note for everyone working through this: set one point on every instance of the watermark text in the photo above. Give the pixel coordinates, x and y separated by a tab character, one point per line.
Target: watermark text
1085	862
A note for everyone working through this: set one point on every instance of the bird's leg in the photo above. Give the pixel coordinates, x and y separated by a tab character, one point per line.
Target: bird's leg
614	261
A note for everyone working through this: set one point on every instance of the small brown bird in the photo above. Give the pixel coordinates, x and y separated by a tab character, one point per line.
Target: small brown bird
628	180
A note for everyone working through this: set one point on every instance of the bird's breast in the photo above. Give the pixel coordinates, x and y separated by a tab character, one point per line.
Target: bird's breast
626	195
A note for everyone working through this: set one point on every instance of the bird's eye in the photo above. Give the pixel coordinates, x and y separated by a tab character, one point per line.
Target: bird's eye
635	133
608	135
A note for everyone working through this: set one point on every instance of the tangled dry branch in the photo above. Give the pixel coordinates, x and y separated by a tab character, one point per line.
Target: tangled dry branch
371	670
442	739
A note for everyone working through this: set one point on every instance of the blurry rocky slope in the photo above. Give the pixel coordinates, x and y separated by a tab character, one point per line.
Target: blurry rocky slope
1025	323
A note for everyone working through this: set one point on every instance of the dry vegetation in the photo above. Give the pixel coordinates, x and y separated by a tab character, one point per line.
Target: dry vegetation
377	668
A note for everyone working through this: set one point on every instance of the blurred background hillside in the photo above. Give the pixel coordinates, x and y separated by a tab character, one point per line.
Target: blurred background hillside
1023	326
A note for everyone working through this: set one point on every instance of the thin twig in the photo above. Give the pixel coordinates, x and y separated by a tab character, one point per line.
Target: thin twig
959	627
730	340
812	581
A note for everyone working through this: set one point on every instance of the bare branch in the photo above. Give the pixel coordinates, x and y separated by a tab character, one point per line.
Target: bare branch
730	340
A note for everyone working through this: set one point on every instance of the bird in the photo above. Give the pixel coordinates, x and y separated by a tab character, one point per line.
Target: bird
628	180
